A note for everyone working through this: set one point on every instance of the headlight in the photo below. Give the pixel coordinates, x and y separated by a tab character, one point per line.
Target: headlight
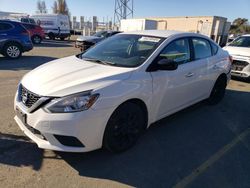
72	103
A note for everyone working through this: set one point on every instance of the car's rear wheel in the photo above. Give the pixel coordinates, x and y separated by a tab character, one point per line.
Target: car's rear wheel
124	127
36	39
12	50
218	91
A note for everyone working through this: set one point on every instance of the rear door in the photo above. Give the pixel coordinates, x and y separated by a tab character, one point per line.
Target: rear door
63	23
203	62
4	29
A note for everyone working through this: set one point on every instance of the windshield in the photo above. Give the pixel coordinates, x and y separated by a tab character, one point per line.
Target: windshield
123	50
100	34
241	42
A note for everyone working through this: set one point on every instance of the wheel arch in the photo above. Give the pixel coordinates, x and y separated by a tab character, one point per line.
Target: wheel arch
222	76
138	102
13	41
36	34
143	106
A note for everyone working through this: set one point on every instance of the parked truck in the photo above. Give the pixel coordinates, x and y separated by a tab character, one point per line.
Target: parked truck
54	25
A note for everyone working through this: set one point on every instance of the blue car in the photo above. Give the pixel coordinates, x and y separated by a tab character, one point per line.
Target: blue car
14	39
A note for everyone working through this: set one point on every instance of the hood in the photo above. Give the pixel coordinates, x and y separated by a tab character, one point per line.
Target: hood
237	51
88	38
71	75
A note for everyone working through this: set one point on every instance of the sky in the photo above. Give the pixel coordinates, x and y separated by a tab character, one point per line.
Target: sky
142	8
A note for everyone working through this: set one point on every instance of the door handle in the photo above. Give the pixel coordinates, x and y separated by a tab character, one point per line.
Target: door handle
190	74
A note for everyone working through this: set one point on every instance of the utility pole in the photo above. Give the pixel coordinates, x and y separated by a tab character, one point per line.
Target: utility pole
123	10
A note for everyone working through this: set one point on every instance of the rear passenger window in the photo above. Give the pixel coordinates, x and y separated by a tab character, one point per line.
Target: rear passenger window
202	48
214	48
178	51
5	26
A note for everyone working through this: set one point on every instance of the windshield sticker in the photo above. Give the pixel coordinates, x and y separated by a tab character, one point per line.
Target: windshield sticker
149	39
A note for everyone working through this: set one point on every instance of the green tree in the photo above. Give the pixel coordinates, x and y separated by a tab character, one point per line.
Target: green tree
240	21
60	7
41	7
240	26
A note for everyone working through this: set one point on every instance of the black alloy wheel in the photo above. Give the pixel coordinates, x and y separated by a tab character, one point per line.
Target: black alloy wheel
124	127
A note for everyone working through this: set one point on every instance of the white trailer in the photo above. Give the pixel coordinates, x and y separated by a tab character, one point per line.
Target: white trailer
137	24
54	25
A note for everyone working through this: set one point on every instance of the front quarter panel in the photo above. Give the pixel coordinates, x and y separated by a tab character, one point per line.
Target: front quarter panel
138	86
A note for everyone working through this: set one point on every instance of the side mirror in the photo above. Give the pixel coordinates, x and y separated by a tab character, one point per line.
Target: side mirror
167	64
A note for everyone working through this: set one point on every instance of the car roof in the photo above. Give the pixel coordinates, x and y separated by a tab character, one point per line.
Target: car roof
9	21
167	34
156	33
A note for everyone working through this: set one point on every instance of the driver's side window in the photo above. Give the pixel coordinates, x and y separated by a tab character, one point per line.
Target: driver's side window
177	51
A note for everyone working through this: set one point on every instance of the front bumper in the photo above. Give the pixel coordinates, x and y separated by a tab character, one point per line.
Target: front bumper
242	74
86	126
240	67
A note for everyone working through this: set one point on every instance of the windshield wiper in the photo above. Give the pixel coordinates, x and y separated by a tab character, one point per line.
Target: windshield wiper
100	61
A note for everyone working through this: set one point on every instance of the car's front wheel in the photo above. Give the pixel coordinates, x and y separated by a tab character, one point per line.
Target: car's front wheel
124	127
218	91
12	50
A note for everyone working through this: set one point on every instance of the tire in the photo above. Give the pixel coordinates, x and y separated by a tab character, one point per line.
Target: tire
36	39
62	38
218	91
12	50
124	127
51	36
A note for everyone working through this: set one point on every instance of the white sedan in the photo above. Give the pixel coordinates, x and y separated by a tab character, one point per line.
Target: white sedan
109	94
239	49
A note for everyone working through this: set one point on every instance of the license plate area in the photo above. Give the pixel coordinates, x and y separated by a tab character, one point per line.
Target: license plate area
21	115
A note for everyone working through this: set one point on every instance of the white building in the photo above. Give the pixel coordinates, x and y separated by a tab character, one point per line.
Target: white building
215	27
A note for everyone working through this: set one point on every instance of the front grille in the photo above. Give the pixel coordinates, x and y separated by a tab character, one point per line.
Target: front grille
27	97
239	65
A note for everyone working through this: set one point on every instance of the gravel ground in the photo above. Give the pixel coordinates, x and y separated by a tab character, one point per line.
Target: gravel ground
201	146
